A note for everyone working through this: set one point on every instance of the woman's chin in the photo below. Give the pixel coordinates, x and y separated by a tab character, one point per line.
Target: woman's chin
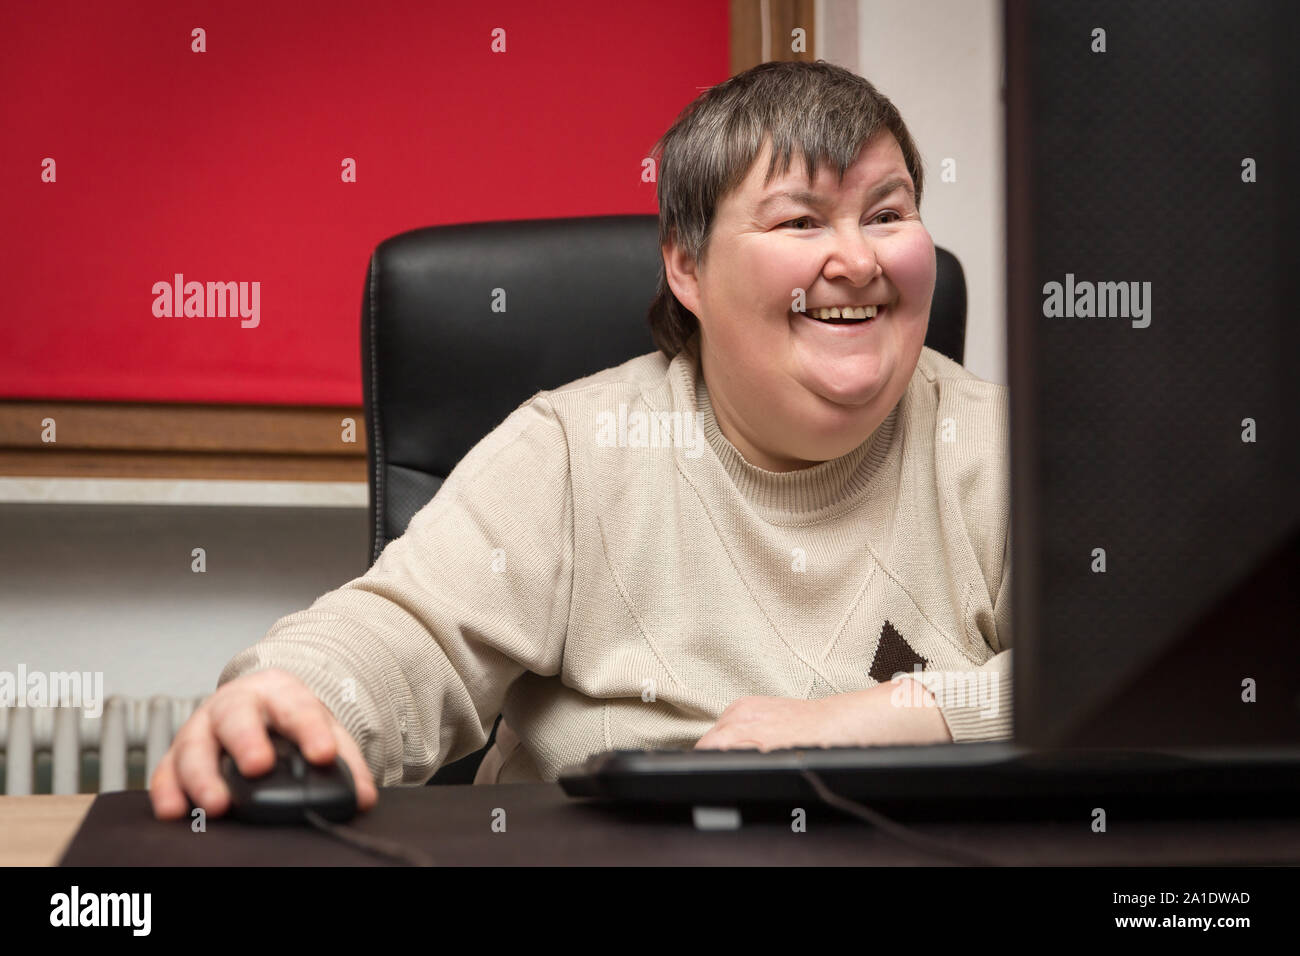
850	392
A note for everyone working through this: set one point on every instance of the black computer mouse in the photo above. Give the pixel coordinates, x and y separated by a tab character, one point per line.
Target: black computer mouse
293	785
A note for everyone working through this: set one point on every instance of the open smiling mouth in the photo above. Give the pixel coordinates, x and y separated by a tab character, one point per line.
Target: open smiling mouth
825	318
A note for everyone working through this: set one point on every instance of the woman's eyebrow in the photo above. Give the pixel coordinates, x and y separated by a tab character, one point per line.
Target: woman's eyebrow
818	201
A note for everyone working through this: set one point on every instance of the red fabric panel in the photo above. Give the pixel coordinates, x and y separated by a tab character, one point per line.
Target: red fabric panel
224	166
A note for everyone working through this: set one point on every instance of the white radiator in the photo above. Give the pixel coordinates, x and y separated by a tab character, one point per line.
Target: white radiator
65	733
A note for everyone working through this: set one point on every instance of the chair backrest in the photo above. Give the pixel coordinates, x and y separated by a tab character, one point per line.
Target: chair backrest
462	323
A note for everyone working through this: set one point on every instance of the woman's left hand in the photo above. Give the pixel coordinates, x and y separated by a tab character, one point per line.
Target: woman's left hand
864	718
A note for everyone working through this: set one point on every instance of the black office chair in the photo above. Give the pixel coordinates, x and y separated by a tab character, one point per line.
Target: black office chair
441	368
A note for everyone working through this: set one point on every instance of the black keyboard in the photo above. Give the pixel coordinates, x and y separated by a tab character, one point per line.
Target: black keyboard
951	779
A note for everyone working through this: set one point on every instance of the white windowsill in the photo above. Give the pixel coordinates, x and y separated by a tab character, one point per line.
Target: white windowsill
184	491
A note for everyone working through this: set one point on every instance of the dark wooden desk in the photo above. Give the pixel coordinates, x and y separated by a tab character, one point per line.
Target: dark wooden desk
454	825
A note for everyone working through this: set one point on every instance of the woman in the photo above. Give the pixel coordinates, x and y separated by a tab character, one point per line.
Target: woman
787	526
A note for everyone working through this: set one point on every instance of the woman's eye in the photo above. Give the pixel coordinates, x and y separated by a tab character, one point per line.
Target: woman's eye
888	212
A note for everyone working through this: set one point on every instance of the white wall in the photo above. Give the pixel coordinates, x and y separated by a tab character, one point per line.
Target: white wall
940	62
111	588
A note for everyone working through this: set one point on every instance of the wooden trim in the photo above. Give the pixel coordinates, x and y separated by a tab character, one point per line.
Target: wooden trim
209	428
782	17
111	464
746	35
137	440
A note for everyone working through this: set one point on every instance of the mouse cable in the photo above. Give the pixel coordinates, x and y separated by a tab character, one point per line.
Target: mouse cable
916	840
369	844
386	849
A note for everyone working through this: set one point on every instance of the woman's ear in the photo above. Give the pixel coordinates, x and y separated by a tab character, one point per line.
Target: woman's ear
680	272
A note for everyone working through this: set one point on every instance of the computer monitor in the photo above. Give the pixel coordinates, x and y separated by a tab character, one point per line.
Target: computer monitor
1152	350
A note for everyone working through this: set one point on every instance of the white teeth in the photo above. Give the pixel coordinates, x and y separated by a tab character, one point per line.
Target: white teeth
866	312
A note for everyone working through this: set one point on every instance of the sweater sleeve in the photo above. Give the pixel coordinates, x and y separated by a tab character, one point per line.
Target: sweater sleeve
976	704
414	657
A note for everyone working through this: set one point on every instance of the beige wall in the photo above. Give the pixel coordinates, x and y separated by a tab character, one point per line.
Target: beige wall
940	61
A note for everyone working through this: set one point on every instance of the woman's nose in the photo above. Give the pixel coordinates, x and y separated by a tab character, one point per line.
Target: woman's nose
854	258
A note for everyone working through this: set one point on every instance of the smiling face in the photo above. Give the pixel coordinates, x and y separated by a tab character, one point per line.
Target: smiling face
787	390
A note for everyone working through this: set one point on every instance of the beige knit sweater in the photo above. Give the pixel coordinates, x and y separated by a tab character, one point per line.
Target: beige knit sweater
607	571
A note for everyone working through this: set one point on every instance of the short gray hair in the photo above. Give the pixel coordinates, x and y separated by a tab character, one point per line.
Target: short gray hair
825	111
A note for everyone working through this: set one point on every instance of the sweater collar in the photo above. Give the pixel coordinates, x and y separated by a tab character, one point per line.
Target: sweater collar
791	493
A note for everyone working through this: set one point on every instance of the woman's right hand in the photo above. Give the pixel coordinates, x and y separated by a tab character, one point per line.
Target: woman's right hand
235	719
